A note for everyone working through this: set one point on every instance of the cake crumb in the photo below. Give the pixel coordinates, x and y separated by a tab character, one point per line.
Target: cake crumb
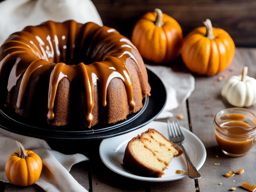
178	171
217	164
239	171
220	78
248	187
232	173
232	189
180	116
229	174
220	183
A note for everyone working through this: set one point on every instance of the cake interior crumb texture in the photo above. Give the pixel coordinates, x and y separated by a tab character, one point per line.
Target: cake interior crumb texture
149	153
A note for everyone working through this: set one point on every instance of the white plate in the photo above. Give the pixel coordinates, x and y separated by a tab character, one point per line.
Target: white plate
112	153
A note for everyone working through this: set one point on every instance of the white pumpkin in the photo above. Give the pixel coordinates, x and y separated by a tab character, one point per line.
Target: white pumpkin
240	91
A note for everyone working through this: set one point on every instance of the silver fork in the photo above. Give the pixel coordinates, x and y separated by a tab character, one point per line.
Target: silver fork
177	137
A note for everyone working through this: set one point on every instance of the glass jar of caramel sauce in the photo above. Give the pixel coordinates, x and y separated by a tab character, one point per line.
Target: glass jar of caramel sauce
235	130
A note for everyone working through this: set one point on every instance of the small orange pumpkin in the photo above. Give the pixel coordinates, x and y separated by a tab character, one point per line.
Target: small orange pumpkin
23	168
207	50
158	37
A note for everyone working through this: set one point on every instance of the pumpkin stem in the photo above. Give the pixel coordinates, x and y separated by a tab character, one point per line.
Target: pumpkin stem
244	73
209	29
159	17
22	152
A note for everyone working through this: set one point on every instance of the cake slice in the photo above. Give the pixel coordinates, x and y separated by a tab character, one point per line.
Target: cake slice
149	153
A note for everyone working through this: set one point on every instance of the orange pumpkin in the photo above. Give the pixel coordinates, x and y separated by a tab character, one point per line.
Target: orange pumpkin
157	36
23	168
207	50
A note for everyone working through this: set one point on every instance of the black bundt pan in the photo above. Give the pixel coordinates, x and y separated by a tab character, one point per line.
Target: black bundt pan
153	105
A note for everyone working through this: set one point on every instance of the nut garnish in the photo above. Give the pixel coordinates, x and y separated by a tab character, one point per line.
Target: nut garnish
180	116
249	187
232	189
229	174
232	173
220	78
178	171
239	171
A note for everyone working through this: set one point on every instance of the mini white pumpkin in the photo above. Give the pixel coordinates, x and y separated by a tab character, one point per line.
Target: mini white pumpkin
240	91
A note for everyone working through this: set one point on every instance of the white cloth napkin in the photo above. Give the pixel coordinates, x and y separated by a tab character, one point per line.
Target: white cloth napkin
16	14
179	86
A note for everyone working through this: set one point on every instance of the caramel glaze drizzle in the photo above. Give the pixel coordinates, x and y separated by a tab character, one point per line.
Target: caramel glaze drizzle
52	43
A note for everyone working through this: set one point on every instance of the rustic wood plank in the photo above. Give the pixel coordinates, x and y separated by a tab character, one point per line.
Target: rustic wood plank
81	172
237	17
12	188
107	181
204	103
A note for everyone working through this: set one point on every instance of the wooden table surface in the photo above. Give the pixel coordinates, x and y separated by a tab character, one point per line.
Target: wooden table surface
198	112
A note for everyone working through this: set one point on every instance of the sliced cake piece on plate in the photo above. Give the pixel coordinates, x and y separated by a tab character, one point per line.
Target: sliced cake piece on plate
149	153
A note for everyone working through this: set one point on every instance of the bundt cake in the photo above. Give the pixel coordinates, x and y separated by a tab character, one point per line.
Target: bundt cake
71	74
149	153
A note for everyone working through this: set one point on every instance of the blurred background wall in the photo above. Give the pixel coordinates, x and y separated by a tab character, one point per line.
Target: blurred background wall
238	17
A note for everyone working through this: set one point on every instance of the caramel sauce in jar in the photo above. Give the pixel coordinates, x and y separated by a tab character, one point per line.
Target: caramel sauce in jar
235	130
